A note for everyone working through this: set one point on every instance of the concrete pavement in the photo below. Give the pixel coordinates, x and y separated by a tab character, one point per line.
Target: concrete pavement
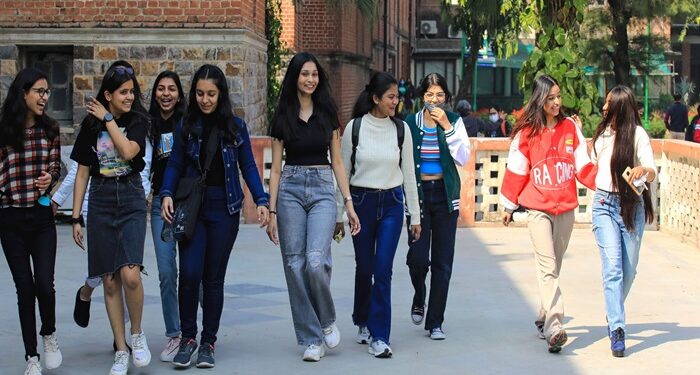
489	316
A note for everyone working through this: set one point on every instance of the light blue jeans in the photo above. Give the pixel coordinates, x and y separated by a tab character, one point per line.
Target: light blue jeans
619	252
167	272
305	222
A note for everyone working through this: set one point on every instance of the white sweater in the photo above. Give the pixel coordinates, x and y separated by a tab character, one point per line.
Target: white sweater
377	161
601	155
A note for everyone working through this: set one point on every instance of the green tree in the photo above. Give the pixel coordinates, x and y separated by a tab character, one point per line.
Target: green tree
555	25
275	51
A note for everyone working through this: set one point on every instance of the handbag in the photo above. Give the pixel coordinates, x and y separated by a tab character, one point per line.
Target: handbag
190	193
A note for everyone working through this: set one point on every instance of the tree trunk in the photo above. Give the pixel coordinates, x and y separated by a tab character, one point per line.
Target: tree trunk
621	15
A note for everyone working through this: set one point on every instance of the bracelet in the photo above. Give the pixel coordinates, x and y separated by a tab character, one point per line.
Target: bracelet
347	199
77	220
273	212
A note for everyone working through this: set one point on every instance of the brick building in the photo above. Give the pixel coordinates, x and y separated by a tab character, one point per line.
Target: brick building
350	45
75	41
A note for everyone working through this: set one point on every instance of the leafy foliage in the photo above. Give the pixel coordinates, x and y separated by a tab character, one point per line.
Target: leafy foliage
275	51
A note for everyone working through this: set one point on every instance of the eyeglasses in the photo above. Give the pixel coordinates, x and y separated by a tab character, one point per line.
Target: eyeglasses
430	95
42	92
121	70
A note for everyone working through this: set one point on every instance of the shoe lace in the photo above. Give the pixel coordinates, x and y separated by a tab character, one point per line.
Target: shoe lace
33	366
619	334
137	341
173	343
328	330
50	343
437	330
121	358
418	310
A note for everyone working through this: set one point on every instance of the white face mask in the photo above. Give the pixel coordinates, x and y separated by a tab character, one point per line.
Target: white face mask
494	118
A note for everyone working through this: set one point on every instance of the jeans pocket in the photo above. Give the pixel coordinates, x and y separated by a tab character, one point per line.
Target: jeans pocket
96	184
397	194
358	198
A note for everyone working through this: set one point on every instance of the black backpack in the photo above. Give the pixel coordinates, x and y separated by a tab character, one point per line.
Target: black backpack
400	133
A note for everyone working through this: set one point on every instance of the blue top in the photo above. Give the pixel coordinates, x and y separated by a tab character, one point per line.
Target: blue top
184	162
430	152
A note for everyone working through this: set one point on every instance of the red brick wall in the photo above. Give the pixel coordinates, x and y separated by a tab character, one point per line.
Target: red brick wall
291	23
248	14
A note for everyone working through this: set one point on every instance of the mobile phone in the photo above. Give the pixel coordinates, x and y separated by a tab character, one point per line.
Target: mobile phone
638	185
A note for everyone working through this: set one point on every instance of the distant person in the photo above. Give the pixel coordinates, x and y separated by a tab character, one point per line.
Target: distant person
640	109
473	124
692	132
676	118
497	116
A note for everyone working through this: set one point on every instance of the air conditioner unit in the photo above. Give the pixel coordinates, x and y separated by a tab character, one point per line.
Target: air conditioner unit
454	34
428	27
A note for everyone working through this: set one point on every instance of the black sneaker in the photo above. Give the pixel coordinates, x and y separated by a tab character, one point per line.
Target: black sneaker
417	314
184	355
205	357
81	310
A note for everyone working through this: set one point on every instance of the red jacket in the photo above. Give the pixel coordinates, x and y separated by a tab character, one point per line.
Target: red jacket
542	170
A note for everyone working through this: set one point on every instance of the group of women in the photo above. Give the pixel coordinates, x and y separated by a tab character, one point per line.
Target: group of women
381	169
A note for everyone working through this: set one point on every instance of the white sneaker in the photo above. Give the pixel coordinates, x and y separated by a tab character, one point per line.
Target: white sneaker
139	350
379	349
33	366
331	336
362	335
313	353
52	354
171	348
437	334
121	363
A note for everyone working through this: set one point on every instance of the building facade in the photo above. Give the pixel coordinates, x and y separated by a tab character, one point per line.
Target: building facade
74	42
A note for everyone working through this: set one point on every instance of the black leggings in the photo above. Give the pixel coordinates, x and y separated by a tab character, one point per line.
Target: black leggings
31	233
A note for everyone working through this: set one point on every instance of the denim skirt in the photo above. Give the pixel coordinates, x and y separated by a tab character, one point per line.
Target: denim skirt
116	224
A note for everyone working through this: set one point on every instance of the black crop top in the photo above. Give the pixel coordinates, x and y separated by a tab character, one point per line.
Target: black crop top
311	143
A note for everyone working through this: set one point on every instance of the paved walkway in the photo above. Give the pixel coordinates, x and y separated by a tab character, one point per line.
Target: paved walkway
489	317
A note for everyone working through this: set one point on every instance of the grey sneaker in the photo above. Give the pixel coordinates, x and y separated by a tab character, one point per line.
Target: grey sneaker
33	366
540	329
140	353
437	334
121	363
183	358
205	356
363	336
417	314
314	353
331	336
379	349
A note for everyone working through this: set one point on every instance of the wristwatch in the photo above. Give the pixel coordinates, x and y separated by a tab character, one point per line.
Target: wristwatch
77	220
108	117
347	199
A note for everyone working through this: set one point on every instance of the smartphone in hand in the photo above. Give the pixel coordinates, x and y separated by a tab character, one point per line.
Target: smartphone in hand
637	185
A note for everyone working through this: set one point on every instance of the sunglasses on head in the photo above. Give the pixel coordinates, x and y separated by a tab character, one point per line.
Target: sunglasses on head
122	70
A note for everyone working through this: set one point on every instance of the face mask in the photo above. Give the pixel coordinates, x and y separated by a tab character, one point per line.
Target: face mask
494	118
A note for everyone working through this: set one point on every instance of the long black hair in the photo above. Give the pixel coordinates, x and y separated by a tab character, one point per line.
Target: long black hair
288	106
117	75
380	83
223	113
435	79
14	111
533	116
623	118
154	108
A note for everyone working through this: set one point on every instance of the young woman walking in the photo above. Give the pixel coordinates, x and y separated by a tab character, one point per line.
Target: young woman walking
302	199
619	213
110	149
204	257
442	144
547	155
381	168
30	165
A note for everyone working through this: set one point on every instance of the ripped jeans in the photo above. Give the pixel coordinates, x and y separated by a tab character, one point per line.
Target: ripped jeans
305	222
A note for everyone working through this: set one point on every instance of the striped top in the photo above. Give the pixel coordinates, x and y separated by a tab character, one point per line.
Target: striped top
430	152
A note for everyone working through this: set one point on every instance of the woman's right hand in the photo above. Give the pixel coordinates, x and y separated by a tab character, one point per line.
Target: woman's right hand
339	229
507	217
166	209
78	235
272	230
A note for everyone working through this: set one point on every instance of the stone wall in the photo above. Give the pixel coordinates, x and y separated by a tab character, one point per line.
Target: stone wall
240	54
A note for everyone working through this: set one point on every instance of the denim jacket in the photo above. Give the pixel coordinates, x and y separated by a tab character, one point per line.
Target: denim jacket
184	162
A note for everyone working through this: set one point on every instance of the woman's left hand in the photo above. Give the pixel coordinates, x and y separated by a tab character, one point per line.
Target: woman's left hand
440	117
263	216
353	220
96	109
415	232
42	183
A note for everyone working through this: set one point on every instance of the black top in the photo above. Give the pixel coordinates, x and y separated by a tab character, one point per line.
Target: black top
161	149
215	175
475	125
96	149
679	117
311	143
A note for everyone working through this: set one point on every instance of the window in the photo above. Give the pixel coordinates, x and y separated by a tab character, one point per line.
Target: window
57	64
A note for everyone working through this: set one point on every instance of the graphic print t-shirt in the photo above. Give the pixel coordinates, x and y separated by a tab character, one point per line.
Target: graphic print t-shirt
97	150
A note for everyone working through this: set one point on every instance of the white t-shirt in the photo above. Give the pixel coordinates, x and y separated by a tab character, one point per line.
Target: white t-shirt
601	155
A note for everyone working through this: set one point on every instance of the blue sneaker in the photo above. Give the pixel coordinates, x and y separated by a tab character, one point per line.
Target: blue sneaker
617	342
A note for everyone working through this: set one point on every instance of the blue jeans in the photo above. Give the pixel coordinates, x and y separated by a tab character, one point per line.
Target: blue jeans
203	260
167	272
381	217
306	219
619	252
435	250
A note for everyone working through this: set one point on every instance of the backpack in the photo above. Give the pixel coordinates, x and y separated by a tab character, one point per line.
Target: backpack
400	133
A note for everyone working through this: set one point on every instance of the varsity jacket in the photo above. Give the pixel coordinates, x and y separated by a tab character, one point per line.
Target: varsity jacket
454	149
542	169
